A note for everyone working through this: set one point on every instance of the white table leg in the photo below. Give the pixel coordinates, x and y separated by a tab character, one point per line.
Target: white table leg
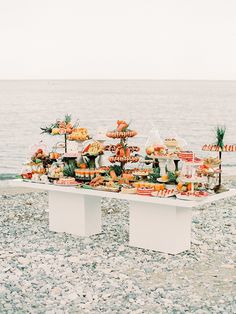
159	227
74	213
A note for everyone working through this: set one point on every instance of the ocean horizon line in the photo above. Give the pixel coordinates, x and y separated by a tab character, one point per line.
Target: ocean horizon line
116	79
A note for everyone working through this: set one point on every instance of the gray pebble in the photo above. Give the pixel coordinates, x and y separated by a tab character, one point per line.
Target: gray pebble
48	272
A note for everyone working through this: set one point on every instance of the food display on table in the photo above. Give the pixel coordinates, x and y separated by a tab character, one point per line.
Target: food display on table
69	181
126	178
113	148
94	148
192	177
174	143
189	156
37	168
163	154
157	150
122	151
216	148
54	155
40	178
39	156
142	172
56	171
153	186
219	146
128	189
145	191
167	148
123	159
166	170
98	180
26	172
85	174
164	193
192	196
190	164
211	162
210	167
106	188
61	127
122	131
98	183
189	186
171	142
124	134
90	153
79	134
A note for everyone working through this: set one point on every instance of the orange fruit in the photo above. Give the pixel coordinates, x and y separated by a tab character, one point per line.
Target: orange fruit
68	130
165	177
179	186
161	187
189	186
83	166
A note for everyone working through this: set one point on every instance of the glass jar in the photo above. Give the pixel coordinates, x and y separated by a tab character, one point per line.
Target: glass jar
26	171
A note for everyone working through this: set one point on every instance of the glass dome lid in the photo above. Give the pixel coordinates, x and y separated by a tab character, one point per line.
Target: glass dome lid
154	138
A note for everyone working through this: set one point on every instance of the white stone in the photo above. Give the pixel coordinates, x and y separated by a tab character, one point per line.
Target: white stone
73	259
23	261
72	296
228	266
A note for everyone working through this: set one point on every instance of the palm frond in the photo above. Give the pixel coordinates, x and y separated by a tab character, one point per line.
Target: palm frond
67	118
220	134
48	129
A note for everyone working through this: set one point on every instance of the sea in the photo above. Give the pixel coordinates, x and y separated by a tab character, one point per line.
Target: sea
189	109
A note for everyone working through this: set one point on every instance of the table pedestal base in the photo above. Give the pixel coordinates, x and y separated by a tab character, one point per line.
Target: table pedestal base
74	213
160	227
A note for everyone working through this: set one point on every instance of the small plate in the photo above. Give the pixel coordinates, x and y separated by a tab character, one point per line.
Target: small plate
40	182
162	181
155	194
140	174
75	184
190	198
128	191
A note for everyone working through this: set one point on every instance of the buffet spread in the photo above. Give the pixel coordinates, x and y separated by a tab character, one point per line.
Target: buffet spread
166	169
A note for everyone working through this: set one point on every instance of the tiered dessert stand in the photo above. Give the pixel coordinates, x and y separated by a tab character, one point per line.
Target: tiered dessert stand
123	153
215	148
188	172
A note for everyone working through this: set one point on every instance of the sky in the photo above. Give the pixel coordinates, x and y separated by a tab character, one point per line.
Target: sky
118	39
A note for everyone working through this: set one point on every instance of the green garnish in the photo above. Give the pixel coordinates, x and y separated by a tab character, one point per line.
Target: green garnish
220	133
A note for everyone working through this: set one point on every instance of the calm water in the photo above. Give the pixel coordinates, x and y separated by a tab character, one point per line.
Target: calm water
191	108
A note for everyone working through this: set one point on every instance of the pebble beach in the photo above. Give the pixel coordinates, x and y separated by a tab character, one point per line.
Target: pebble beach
48	272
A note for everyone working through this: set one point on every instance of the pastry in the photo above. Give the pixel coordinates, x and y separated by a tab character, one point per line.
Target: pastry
66	181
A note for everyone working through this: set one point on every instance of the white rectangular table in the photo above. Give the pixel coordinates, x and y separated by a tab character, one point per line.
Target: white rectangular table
161	224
